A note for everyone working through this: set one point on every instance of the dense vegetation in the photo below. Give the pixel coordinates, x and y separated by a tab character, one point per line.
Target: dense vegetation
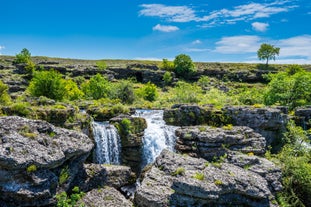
288	87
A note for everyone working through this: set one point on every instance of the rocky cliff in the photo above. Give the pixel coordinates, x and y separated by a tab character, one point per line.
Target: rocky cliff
179	180
37	160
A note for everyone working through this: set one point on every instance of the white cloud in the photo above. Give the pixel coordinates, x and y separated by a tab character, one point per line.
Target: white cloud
238	44
169	13
259	26
196	49
296	46
165	28
245	12
197	42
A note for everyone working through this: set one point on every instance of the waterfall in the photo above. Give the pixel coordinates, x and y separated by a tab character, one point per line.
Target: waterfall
108	144
157	135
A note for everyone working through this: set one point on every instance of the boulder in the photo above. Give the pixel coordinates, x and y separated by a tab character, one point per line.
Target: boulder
179	180
208	142
303	117
269	122
103	197
98	175
37	160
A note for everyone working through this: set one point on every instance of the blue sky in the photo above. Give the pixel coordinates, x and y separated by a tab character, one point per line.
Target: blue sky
207	30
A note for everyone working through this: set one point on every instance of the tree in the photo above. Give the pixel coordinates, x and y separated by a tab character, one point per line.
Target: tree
183	65
23	56
267	52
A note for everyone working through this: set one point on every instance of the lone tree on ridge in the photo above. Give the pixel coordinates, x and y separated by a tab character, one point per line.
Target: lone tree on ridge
267	52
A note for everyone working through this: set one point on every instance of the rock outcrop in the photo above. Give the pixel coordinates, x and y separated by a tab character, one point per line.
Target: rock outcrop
208	142
104	197
269	122
37	160
303	117
97	176
131	131
179	180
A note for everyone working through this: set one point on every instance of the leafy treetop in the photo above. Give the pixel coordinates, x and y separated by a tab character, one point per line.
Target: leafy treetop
267	52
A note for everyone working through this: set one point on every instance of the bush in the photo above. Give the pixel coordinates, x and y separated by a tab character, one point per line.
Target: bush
183	65
4	96
185	93
167	65
124	91
167	78
203	82
72	90
290	90
49	84
149	92
23	57
97	87
101	64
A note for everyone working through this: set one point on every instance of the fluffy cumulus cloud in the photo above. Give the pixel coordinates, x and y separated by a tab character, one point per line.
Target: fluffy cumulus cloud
245	12
259	26
238	44
165	28
169	13
296	48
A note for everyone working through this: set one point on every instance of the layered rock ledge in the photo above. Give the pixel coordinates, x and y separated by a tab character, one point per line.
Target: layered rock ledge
179	180
37	160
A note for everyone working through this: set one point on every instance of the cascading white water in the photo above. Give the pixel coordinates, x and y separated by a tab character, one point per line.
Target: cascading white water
108	144
157	135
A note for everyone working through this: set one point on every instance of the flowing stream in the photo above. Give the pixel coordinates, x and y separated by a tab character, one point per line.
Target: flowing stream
108	146
157	135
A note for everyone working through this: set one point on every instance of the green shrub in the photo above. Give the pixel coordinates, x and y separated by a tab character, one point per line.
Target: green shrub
124	91
30	67
20	109
183	65
203	82
63	176
185	93
218	182
97	87
4	96
149	92
49	84
179	171
23	57
199	176
167	78
290	90
72	90
31	168
101	64
63	200
167	65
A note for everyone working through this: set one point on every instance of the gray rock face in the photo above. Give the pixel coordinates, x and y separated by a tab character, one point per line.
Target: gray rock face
207	142
303	117
269	122
131	140
37	160
104	197
96	175
178	180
